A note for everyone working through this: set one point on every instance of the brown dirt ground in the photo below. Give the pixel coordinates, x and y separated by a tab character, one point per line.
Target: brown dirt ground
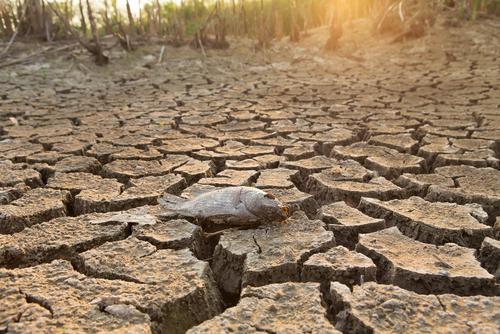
390	150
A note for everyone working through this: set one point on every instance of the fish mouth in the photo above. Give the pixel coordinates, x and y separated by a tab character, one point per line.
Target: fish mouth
285	210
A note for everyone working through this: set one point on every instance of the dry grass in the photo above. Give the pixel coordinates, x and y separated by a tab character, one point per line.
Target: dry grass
206	23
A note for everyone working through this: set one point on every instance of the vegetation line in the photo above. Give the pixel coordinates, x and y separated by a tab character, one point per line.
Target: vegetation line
204	24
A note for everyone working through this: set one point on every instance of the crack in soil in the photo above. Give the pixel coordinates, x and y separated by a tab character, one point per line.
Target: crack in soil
40	301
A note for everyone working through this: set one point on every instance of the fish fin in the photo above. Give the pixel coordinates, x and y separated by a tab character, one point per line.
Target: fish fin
202	189
237	198
171	202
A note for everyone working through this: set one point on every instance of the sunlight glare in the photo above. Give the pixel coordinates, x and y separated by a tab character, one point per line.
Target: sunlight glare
135	5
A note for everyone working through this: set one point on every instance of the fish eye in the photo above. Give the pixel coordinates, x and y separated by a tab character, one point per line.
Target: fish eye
285	210
270	196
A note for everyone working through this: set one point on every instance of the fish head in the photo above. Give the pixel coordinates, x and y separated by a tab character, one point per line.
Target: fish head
271	209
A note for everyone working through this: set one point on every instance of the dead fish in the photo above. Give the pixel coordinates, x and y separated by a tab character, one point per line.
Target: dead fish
233	205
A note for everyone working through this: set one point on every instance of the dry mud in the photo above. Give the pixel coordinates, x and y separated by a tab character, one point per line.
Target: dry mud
390	167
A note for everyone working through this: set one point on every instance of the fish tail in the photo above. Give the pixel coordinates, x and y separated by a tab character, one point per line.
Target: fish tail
171	202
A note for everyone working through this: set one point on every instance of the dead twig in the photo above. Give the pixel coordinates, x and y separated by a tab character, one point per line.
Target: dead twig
201	47
83	25
400	11
95	49
11	41
386	13
16	32
37	54
162	52
199	36
101	59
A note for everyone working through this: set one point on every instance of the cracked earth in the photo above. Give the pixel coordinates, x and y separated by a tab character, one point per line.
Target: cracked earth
390	167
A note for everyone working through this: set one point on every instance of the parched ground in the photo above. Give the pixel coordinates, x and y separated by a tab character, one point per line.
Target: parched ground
388	155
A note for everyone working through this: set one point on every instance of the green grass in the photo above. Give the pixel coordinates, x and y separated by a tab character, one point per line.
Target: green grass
472	8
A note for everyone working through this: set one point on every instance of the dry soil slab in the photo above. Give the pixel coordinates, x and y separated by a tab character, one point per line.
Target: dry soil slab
19	151
270	254
9	194
33	207
276	178
418	184
478	158
425	268
257	163
441	151
347	223
78	164
489	254
279	143
186	145
327	139
12	174
173	234
432	222
123	170
229	177
58	238
304	151
432	146
328	186
274	308
64	237
48	157
141	191
176	291
232	150
403	142
428	129
309	166
93	193
137	140
386	161
473	185
22	312
82	183
340	265
106	153
348	181
376	308
193	170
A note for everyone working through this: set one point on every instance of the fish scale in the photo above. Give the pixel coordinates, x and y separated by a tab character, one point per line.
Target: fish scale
233	205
